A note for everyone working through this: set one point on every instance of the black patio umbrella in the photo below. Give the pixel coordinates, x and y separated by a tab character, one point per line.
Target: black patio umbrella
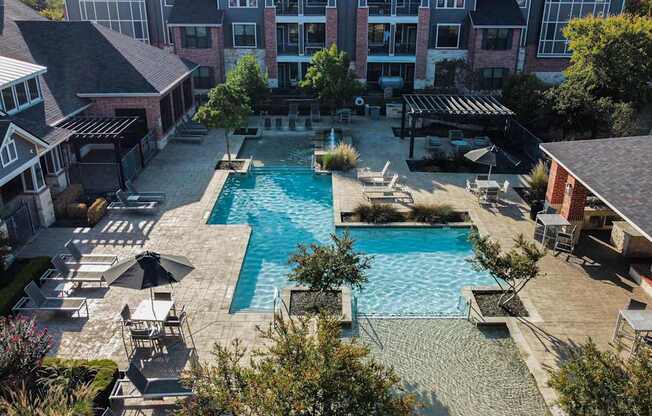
484	156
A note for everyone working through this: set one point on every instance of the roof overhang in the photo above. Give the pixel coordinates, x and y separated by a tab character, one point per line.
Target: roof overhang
14	128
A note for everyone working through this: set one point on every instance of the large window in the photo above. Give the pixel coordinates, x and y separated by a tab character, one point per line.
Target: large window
20	96
54	161
448	36
492	78
8	153
34	90
243	3
450	4
556	15
497	39
203	78
167	118
128	17
8	101
244	35
196	37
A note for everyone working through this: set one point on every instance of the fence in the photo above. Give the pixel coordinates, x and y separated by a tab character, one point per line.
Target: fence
523	138
20	225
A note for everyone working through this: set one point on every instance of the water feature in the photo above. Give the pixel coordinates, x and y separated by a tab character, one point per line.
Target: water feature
332	139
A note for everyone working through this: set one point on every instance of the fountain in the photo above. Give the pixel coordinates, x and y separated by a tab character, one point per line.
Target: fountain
332	139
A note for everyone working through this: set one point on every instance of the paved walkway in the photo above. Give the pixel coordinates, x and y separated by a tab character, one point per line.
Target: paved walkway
578	298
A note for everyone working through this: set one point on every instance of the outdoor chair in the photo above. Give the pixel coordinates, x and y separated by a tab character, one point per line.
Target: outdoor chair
267	123
176	322
455	134
315	113
292	123
144	196
489	197
392	192
74	256
279	123
40	302
294	111
505	187
78	273
344	115
367	175
482	177
565	241
134	385
471	187
393	185
308	124
136	207
139	334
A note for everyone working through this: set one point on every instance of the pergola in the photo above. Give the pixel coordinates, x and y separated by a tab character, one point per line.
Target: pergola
465	107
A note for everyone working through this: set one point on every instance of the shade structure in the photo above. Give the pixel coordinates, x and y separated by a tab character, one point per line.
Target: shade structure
148	270
483	156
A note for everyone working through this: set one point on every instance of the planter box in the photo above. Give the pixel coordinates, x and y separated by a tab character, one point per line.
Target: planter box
346	316
247	132
245	165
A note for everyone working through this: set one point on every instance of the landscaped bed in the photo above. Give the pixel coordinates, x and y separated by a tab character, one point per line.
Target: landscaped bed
488	303
13	280
248	132
304	302
405	217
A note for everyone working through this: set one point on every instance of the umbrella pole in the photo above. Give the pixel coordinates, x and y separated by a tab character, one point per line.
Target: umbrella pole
489	175
151	299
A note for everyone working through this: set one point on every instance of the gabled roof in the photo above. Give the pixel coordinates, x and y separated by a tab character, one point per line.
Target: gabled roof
30	121
12	70
195	13
497	13
618	171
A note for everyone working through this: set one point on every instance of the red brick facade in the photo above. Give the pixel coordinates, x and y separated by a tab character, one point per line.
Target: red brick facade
480	58
270	42
534	64
574	200
331	26
556	185
106	106
212	57
423	30
361	42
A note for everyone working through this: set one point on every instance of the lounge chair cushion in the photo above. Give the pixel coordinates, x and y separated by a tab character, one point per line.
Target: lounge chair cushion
167	387
73	250
35	294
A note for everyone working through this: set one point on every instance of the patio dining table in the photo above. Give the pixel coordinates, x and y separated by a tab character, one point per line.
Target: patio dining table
486	184
549	221
640	320
153	311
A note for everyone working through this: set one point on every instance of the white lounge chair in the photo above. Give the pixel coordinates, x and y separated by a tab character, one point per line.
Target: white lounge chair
136	386
144	196
367	175
392	186
393	192
37	301
76	273
133	205
74	256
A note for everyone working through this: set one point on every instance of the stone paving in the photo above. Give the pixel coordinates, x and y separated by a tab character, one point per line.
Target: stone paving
578	298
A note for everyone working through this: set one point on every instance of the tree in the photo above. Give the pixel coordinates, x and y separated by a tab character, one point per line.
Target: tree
639	7
300	373
227	108
249	78
512	270
525	95
331	78
22	348
623	121
325	268
594	382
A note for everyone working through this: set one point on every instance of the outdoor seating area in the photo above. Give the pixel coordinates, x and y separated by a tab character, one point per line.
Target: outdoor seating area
554	231
634	323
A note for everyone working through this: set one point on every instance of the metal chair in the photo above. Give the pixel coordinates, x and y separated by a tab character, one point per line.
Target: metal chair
481	177
565	241
176	322
471	187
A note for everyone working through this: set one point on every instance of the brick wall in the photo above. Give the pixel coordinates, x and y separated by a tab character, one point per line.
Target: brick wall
212	57
361	42
480	58
574	202
423	30
270	43
331	26
106	106
534	64
556	185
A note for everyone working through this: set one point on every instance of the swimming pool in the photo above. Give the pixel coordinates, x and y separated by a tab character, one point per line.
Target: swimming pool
414	271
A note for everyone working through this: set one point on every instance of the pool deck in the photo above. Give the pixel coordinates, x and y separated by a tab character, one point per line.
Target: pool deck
579	297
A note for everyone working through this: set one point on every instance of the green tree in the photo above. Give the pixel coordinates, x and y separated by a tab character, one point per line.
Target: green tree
325	268
299	373
623	120
594	382
525	95
227	108
512	270
331	78
639	7
248	77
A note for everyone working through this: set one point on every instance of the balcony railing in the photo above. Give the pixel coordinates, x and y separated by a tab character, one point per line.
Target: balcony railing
408	8
313	48
301	7
405	48
379	49
287	49
393	7
380	8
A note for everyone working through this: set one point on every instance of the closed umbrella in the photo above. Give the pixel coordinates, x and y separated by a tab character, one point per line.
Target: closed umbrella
484	156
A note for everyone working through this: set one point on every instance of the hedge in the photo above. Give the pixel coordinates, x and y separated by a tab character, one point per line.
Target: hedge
96	211
17	277
106	373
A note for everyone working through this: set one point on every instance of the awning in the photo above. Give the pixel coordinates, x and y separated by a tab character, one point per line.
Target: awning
98	127
454	105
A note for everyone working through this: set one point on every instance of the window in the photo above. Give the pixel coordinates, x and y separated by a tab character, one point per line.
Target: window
21	94
450	4
203	78
378	34
128	17
8	153
315	33
497	39
33	179
34	91
448	36
53	164
243	3
492	78
196	38
9	104
244	35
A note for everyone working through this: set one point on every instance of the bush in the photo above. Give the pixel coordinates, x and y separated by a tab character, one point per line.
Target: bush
432	213
44	400
96	211
18	276
98	374
76	210
378	213
69	195
343	157
22	347
538	181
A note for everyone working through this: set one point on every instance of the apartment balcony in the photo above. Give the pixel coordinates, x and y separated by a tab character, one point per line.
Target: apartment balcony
302	39
396	49
287	49
405	48
393	7
301	7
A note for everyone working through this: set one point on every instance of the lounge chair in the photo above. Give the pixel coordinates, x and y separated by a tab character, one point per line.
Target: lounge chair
392	186
126	205
136	386
37	301
367	175
308	124
74	256
143	196
267	124
78	273
279	123
292	123
390	196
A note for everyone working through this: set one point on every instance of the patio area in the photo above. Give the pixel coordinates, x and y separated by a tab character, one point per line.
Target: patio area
578	297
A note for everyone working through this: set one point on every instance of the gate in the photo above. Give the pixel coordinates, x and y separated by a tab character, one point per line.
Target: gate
20	225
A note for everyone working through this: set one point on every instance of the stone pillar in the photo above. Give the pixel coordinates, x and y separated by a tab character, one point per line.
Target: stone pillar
556	185
362	42
423	33
331	25
44	207
57	182
270	45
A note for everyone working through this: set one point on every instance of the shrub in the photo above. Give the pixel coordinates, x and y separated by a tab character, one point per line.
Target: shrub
343	157
98	374
22	347
538	181
76	210
69	195
432	213
46	401
378	213
19	274
96	211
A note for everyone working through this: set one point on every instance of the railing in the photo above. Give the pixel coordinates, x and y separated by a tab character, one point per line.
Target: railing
287	49
301	7
313	48
393	7
409	8
379	49
380	8
405	49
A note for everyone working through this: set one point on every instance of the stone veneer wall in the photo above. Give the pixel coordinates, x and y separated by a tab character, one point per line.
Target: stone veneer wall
423	31
438	55
480	58
212	57
362	42
269	22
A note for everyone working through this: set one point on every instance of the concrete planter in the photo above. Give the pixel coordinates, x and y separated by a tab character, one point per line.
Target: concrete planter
245	165
251	132
346	316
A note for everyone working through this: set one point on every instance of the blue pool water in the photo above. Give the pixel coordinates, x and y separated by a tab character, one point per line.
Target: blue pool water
414	271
